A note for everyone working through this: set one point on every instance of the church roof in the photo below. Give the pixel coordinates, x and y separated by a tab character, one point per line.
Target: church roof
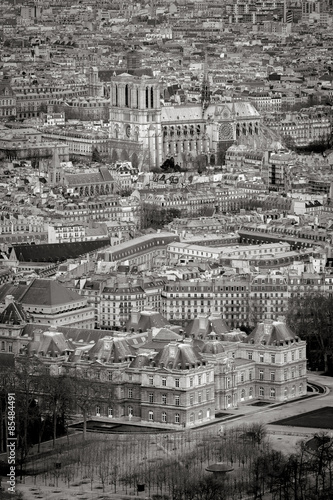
106	75
175	114
236	110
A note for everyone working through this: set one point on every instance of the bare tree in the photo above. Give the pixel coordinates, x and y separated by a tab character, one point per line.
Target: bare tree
311	317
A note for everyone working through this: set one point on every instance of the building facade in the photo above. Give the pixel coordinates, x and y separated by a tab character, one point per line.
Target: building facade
141	125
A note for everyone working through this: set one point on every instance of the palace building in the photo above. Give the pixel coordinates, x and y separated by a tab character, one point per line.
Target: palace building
157	373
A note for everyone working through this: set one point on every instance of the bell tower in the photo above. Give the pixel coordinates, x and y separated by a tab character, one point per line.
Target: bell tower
135	118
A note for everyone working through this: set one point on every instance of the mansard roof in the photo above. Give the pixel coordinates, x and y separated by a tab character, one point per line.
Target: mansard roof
178	356
212	347
50	342
271	332
147	319
113	350
202	326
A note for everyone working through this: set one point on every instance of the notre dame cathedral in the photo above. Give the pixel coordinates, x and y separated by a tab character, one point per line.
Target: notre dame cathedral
147	131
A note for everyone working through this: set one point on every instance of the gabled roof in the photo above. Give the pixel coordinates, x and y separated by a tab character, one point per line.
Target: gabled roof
13	314
56	252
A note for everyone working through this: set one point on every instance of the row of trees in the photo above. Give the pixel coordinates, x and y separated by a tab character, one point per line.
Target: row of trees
173	466
45	402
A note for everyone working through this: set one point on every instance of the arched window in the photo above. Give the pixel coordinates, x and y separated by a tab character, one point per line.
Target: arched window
261	392
130	411
110	412
272	392
192	418
300	389
293	391
251	393
151	416
177	418
228	401
98	411
242	394
200	416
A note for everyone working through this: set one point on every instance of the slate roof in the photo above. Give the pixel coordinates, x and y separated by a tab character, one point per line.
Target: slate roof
202	326
140	361
52	343
112	350
106	75
56	252
103	175
271	333
161	337
178	356
13	314
10	289
49	293
75	335
147	319
212	347
179	113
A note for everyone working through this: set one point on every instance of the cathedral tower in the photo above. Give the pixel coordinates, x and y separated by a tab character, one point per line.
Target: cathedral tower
135	120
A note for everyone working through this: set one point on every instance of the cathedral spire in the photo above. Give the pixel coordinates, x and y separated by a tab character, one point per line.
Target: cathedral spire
205	90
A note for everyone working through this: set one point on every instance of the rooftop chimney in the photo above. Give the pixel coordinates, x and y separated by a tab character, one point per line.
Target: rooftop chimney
9	299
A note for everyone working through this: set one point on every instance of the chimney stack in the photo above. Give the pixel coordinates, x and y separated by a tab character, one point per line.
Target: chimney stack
9	299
